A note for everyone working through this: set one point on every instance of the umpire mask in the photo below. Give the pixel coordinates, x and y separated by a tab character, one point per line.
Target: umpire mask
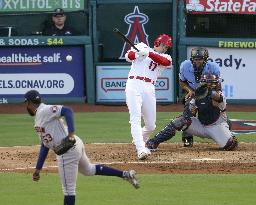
199	56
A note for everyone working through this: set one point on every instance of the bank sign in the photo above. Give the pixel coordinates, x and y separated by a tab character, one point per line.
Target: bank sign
111	82
221	6
55	72
40	5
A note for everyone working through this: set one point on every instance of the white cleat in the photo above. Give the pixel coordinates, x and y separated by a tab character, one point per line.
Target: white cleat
130	176
144	154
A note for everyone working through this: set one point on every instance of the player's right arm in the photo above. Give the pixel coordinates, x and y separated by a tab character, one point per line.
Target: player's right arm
40	162
183	82
189	91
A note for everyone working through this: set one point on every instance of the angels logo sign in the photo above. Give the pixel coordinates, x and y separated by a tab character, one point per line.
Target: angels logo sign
136	32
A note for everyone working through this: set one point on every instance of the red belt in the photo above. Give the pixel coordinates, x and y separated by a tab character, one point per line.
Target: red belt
148	80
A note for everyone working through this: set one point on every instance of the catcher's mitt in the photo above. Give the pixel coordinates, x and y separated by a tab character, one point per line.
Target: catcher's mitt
201	92
64	146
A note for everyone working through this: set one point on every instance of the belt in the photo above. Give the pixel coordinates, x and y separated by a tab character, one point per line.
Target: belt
148	80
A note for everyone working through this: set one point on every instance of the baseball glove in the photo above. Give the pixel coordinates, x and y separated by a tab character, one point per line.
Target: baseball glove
201	92
64	146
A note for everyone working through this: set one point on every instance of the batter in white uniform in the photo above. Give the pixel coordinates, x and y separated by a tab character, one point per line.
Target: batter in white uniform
53	123
147	64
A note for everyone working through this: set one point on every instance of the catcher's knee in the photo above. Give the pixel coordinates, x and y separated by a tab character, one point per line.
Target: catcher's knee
231	144
181	123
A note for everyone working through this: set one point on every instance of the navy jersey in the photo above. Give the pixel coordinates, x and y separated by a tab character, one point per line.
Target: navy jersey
207	113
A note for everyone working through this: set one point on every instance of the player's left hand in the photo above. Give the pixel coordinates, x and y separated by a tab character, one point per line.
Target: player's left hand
36	175
66	143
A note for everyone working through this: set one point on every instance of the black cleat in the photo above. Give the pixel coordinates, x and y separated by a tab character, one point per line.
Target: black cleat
188	141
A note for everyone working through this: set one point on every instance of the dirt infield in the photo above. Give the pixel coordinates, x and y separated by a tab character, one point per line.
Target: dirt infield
170	158
19	108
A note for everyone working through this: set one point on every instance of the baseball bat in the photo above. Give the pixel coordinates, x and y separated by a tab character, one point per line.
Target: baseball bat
115	30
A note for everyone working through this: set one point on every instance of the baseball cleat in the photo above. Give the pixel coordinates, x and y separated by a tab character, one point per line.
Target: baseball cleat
130	176
144	154
188	141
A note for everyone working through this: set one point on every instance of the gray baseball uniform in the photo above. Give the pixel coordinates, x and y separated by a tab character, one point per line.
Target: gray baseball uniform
211	121
51	129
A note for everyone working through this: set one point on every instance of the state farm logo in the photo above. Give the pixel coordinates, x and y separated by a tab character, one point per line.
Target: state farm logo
194	5
222	6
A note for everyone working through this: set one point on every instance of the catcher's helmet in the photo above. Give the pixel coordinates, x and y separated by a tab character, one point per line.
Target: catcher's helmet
211	80
199	52
164	39
33	96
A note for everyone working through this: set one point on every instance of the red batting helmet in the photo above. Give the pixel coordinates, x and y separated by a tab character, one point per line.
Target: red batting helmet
164	39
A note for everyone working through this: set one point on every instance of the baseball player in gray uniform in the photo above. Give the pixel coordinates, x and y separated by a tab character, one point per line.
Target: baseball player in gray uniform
211	122
55	127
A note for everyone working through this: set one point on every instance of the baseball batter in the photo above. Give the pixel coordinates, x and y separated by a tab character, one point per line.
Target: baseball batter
147	65
55	128
190	74
211	122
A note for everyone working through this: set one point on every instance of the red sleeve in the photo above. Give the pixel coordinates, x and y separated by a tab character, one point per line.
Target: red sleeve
159	59
131	55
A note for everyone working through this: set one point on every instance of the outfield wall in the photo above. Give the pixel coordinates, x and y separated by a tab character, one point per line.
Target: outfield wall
98	71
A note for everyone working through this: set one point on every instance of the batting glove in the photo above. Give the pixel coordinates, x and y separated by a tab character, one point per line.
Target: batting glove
143	53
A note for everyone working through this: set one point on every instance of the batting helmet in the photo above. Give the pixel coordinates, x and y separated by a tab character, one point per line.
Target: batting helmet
164	39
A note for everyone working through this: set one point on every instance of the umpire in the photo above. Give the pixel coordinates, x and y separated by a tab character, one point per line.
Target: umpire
190	75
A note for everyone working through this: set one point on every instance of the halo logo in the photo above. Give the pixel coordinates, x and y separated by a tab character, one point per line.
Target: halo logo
194	5
239	126
136	32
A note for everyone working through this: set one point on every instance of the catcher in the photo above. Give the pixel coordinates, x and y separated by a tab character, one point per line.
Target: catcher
189	77
59	136
209	104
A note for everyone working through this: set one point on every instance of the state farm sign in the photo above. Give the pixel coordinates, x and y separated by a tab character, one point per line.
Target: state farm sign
221	6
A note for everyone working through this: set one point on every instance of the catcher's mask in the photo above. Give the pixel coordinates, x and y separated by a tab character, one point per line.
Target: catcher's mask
199	56
210	79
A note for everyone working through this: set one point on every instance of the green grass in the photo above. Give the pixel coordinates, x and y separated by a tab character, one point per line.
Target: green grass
171	189
94	127
230	189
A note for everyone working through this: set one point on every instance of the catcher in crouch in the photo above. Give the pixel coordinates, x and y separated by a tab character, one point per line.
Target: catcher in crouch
209	104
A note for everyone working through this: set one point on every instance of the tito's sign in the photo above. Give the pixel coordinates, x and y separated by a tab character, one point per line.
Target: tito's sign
221	6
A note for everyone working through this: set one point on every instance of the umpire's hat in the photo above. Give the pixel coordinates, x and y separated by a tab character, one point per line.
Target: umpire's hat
33	96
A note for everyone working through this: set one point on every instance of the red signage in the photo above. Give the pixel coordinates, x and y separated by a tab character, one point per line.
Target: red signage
221	6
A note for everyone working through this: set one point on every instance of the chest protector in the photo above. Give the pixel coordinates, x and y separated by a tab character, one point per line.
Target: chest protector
207	113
